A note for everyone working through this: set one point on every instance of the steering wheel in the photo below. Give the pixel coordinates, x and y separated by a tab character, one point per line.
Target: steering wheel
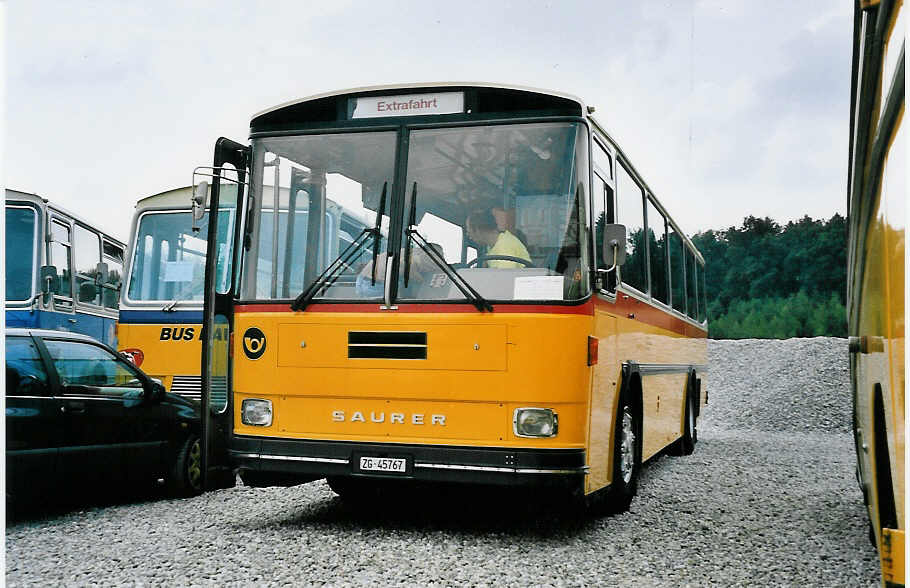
484	258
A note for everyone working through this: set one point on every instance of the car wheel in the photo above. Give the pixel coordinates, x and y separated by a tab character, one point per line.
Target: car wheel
186	478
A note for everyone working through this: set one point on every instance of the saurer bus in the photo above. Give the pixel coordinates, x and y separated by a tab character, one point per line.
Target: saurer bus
534	318
876	279
62	272
160	326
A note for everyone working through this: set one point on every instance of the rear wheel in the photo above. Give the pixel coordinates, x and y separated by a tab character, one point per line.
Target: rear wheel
686	444
186	477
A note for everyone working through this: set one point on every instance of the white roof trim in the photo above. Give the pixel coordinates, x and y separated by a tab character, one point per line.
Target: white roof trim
422	85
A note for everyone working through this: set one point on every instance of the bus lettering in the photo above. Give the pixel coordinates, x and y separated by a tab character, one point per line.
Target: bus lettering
177	333
395	418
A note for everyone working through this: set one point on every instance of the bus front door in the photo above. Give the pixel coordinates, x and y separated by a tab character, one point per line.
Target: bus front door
226	196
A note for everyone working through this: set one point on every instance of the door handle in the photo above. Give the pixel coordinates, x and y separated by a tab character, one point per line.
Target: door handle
73	407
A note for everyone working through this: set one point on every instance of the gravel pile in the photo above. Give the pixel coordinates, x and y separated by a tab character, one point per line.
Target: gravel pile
799	385
767	499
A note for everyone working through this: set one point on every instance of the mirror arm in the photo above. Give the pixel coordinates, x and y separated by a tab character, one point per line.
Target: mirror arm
615	246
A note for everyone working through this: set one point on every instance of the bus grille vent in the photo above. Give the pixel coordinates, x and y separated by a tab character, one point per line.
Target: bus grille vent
387	345
187	386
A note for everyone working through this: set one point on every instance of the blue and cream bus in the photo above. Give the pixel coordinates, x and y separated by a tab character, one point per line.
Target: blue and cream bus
62	273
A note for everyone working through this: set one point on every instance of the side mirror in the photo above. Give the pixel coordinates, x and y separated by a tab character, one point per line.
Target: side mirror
101	273
200	194
50	282
614	246
88	291
154	390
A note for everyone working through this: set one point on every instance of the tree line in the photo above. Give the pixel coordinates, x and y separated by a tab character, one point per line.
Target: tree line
771	281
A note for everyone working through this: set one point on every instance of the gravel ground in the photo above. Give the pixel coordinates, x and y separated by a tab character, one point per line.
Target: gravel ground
767	499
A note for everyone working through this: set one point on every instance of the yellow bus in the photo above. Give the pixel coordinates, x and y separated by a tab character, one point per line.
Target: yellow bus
876	280
160	320
535	318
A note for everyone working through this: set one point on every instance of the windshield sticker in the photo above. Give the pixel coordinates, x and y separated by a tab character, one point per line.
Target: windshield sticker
538	288
409	105
178	271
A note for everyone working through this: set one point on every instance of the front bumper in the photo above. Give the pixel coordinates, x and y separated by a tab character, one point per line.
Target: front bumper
479	465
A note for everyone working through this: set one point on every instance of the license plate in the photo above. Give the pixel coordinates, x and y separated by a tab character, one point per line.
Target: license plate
383	464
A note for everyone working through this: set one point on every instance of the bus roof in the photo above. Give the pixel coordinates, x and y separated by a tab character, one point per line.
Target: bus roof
44	203
174	198
578	104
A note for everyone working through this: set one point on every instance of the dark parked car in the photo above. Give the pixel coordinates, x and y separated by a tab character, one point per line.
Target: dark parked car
78	413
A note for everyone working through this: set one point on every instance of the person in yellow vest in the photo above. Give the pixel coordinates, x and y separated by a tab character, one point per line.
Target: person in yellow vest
482	229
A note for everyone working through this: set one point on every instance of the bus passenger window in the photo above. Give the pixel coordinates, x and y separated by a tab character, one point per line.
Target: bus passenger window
657	247
690	284
113	257
87	255
677	271
702	294
630	212
59	251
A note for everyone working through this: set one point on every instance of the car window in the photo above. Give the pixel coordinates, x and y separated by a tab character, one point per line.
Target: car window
25	373
84	364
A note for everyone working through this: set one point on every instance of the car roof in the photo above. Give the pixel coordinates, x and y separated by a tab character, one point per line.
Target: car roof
51	334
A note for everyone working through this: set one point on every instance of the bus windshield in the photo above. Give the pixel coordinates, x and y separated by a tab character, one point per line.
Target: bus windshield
169	257
20	252
502	206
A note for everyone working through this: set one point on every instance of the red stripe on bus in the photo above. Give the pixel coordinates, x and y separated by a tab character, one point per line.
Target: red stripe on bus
586	308
632	308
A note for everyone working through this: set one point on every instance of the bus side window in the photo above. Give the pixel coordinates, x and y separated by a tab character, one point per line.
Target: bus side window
60	257
690	284
630	212
657	248
87	255
113	257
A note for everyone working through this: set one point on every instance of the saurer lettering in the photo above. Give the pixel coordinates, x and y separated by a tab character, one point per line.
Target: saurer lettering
395	418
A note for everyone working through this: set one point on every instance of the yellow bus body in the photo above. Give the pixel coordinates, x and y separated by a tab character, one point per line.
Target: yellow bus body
480	367
876	278
170	351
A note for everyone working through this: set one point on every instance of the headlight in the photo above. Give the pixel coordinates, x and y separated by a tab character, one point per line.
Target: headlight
535	422
256	412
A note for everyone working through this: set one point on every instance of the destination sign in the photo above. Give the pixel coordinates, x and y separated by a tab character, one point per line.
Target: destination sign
408	105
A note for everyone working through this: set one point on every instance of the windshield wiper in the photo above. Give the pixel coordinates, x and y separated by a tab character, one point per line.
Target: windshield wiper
412	220
377	235
470	293
329	275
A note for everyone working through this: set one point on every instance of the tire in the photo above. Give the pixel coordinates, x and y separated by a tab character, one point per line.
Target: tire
887	511
685	445
626	458
186	477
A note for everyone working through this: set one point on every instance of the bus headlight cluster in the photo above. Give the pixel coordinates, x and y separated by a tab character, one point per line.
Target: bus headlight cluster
256	412
535	422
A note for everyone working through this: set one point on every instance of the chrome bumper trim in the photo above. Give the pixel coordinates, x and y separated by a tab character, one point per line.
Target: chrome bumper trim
294	458
446	466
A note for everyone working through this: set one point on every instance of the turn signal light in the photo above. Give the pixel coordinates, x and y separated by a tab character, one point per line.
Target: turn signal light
592	349
134	356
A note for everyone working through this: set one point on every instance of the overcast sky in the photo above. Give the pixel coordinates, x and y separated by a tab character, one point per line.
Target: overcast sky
727	108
